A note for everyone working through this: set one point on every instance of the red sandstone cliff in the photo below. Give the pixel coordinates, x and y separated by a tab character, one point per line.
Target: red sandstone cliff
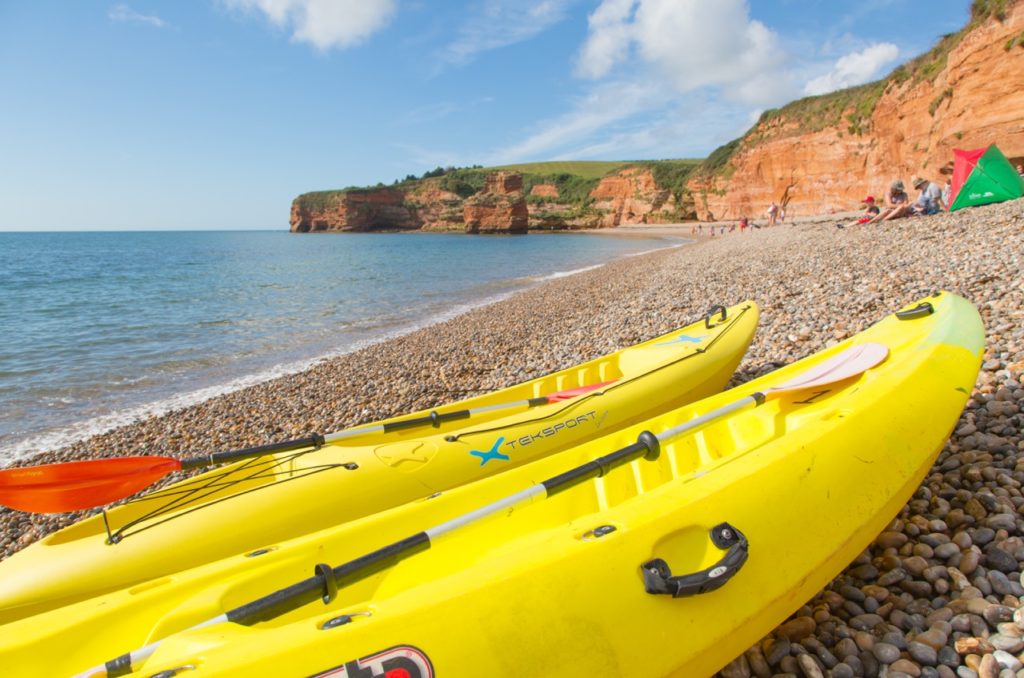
976	99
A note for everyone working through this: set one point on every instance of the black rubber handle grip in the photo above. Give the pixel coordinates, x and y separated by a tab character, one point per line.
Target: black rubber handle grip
658	577
711	313
434	419
923	309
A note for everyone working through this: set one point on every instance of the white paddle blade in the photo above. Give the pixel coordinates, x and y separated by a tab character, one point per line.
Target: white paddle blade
847	363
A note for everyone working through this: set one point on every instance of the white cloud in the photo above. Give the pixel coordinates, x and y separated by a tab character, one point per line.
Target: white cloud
609	39
325	24
127	14
601	107
500	23
693	43
855	68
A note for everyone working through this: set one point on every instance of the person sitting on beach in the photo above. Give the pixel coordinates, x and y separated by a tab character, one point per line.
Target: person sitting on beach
899	203
870	212
947	192
1020	170
928	202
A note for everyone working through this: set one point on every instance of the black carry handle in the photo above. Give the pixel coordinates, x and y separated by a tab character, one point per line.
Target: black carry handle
434	419
658	577
923	309
711	312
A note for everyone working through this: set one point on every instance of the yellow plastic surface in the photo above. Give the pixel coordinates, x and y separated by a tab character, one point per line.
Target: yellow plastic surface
810	478
253	505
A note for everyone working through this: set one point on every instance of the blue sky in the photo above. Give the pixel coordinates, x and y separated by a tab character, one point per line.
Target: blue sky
216	113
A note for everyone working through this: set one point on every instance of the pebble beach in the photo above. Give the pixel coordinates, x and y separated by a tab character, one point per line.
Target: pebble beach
939	593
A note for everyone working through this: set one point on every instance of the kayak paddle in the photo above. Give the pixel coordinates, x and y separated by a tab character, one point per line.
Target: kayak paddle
76	485
326	581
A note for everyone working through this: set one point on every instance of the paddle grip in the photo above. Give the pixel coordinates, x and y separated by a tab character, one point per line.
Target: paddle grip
646	446
434	419
314	440
658	577
325	583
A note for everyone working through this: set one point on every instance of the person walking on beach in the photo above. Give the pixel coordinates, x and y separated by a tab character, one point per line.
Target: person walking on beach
772	213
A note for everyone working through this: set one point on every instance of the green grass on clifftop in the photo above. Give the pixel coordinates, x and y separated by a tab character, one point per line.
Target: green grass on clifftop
588	169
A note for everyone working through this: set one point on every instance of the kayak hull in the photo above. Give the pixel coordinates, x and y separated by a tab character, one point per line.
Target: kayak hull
254	504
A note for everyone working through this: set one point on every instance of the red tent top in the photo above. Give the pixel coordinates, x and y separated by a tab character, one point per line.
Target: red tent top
963	165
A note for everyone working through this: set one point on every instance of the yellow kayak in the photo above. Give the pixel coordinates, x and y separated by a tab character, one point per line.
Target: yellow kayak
665	548
251	505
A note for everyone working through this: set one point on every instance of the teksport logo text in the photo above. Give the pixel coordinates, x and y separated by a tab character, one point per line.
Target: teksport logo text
403	661
495	453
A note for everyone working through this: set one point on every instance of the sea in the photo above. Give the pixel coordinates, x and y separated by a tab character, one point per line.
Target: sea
99	329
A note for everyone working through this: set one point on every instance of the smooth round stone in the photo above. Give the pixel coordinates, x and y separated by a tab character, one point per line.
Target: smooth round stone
1006	643
998	559
1002	521
922	653
843	670
962	539
945	551
866	572
846	648
915	565
890	539
879	593
997	614
969	561
737	668
989	667
865	641
851	593
885	653
905	666
892	577
776	650
983	535
865	622
999	582
948	657
757	662
895	638
809	666
796	629
933	638
1007	660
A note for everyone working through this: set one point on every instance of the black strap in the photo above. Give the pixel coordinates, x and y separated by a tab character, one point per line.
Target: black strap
658	577
710	314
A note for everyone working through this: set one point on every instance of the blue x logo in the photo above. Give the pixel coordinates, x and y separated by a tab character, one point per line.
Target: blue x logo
681	339
492	453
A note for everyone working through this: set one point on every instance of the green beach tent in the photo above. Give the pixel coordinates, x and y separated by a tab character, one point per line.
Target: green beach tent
983	176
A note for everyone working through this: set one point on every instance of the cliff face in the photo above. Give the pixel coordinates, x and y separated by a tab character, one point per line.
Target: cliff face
499	208
629	196
976	98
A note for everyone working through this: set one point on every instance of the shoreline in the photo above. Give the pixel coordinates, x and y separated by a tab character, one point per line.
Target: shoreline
17	451
950	555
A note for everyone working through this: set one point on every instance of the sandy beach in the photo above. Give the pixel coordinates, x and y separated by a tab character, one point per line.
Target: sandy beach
945	577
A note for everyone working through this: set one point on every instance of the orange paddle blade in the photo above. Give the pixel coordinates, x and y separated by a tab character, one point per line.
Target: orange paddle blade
76	485
578	391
